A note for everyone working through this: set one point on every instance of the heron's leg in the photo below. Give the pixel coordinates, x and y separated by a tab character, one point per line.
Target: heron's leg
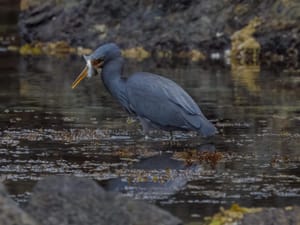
145	126
172	138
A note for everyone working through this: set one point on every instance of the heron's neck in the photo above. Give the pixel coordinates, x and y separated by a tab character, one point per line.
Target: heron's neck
111	76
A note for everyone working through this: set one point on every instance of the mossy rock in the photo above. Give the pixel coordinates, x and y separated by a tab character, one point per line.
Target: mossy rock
230	216
245	48
138	53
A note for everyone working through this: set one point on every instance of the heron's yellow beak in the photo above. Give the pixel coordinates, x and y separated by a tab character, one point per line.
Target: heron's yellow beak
80	77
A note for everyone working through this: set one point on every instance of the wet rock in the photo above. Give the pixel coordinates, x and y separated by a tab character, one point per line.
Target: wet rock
163	26
167	25
270	216
245	49
10	213
2	191
63	200
237	215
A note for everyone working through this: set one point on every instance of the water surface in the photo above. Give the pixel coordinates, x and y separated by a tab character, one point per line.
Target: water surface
47	129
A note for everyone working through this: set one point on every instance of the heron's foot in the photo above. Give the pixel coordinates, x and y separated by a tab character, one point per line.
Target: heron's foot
172	137
130	120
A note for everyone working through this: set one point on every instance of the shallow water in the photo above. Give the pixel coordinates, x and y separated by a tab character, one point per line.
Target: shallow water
47	128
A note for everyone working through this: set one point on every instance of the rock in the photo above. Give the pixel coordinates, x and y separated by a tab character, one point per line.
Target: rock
237	215
63	200
3	191
10	213
176	26
270	216
137	53
245	49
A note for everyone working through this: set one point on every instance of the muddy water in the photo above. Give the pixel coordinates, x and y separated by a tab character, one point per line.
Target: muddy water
47	129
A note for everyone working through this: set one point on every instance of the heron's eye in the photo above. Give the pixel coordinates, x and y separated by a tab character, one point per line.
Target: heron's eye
98	62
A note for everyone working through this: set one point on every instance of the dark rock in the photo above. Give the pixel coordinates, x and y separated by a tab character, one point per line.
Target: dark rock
282	46
272	216
66	200
168	24
10	213
3	191
164	25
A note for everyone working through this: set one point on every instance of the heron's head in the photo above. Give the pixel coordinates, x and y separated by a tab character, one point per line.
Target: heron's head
96	60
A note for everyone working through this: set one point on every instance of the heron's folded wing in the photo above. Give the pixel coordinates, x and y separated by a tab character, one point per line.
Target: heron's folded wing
160	100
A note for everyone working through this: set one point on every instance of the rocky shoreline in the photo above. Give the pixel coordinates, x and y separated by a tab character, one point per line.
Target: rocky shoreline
69	200
252	32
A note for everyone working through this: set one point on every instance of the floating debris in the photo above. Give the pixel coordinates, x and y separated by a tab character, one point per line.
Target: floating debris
195	156
67	136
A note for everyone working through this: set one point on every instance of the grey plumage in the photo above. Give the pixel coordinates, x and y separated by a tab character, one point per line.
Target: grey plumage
156	101
165	104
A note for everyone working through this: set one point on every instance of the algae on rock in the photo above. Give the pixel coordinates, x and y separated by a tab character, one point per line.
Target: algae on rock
245	49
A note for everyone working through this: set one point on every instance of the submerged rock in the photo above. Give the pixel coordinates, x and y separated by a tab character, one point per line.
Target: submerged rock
64	200
237	215
10	213
270	216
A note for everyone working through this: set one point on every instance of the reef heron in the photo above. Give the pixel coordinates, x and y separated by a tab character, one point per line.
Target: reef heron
157	102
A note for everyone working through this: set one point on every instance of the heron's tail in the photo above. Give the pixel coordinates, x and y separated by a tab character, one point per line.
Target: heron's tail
200	124
207	129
